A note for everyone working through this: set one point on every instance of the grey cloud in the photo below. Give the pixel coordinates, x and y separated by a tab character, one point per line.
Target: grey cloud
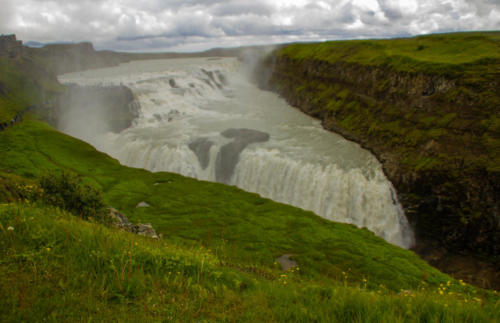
193	24
246	25
390	11
5	16
484	7
238	8
346	14
314	17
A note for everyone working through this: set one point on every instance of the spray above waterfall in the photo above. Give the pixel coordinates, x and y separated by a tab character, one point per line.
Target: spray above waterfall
202	118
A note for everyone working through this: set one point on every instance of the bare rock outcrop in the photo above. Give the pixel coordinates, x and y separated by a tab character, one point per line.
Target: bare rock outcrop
120	221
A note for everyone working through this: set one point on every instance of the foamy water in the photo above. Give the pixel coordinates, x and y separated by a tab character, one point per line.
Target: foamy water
274	149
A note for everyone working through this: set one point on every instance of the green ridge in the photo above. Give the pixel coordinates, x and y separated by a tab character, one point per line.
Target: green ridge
450	54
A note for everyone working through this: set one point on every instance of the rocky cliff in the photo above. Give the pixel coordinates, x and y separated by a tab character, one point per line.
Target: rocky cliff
431	118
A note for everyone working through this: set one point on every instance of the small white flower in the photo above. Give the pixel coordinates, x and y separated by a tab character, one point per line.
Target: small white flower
10	228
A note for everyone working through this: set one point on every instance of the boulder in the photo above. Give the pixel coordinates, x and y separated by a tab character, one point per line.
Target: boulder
120	221
142	204
145	230
285	262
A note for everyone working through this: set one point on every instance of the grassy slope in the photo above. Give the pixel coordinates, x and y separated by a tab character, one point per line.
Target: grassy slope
442	53
56	268
216	260
23	82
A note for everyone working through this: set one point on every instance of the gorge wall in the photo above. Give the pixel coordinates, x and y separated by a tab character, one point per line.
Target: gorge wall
434	127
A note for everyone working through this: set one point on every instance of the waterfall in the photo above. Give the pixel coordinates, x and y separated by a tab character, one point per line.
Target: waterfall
201	118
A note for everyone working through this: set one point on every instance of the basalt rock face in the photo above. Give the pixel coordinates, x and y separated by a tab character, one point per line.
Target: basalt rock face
436	136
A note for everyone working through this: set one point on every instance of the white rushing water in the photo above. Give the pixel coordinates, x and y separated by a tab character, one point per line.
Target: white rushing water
187	109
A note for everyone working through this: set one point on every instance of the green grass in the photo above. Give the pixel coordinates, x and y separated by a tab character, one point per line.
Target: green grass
23	82
450	53
56	267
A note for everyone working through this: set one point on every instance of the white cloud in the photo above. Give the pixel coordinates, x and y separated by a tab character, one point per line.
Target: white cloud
201	24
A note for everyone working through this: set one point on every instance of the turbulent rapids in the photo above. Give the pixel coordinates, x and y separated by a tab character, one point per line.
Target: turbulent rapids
202	118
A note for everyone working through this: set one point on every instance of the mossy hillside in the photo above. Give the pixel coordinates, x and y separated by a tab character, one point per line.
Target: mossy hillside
255	231
428	107
449	54
56	267
24	82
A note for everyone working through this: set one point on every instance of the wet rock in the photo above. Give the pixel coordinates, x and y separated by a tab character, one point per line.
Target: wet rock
210	75
201	147
172	84
229	154
221	77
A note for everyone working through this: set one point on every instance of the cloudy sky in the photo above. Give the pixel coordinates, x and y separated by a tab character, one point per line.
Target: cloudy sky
191	25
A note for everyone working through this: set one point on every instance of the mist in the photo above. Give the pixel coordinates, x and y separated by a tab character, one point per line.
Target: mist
86	112
252	59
